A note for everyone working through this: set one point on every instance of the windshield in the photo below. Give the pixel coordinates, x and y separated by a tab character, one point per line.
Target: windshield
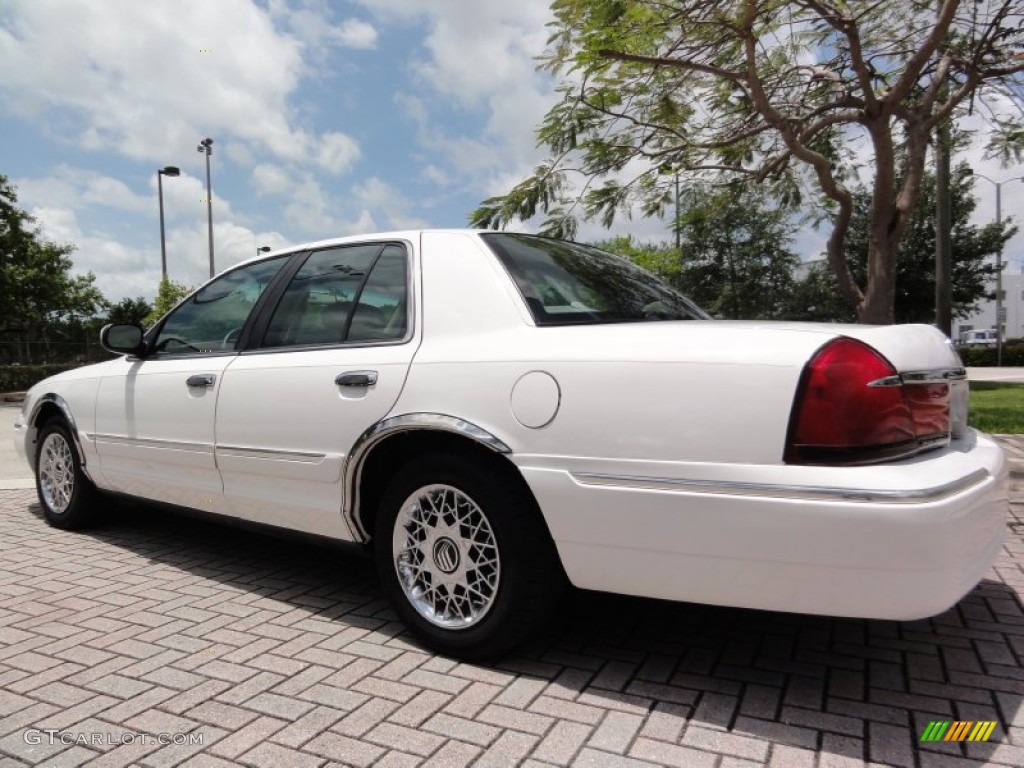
569	284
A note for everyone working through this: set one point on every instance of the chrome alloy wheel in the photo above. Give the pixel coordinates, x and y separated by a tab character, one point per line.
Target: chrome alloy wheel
56	472
446	557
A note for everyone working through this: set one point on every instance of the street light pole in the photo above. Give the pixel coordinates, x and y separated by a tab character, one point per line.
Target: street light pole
679	244
170	170
262	249
999	261
206	146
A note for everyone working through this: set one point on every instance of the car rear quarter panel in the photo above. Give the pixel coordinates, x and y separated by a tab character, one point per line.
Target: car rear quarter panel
692	391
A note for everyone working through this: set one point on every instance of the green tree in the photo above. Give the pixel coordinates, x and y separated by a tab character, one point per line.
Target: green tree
129	310
38	293
794	94
735	259
816	297
168	295
972	250
661	258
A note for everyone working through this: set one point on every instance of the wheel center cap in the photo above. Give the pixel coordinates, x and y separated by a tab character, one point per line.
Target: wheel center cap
446	554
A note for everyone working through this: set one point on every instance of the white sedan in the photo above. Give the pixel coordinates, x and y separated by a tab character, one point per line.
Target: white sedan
493	415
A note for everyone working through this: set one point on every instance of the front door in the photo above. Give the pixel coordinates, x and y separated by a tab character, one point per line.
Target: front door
330	362
155	416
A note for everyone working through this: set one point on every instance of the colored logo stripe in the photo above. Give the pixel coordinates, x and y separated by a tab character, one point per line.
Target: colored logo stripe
982	731
958	730
935	730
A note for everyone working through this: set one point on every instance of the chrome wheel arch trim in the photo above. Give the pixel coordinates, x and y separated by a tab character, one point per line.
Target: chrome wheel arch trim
65	409
407	422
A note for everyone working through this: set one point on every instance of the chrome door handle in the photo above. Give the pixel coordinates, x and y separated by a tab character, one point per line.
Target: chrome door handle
201	380
356	379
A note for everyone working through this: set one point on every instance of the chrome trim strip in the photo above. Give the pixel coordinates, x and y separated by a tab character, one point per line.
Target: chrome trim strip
269	453
888	381
385	428
771	490
148	442
65	409
936	376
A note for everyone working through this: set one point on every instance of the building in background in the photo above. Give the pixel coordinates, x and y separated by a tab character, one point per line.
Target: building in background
985	317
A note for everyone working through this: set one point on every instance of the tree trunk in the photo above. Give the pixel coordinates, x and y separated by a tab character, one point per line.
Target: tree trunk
878	305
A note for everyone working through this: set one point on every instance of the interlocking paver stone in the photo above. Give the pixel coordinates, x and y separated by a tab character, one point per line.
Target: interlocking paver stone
283	654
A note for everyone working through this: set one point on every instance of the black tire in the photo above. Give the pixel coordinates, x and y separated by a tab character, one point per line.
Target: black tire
529	579
65	493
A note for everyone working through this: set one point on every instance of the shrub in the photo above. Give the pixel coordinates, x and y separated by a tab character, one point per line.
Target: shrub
15	378
1013	355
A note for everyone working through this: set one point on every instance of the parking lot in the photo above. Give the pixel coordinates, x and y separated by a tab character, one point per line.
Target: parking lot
151	633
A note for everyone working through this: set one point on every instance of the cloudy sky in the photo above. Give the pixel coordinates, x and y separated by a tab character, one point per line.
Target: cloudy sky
328	118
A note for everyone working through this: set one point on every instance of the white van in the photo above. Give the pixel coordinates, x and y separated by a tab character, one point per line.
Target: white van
980	338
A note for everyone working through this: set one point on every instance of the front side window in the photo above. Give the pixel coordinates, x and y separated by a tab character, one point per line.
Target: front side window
353	293
211	320
567	283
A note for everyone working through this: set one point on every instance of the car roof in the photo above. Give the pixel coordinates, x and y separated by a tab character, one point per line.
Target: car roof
404	234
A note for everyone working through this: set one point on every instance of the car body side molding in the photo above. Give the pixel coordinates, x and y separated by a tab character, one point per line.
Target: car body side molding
407	422
796	492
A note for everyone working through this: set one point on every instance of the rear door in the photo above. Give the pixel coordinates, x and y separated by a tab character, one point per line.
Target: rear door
328	362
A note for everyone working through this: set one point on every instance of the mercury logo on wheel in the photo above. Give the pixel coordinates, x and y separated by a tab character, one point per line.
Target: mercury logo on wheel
446	555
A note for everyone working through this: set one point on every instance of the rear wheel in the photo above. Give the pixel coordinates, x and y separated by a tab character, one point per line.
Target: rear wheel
65	493
464	556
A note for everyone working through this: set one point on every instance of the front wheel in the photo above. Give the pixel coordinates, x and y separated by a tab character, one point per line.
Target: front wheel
65	493
464	556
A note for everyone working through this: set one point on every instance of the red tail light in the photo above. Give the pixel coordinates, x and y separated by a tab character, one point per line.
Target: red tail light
853	408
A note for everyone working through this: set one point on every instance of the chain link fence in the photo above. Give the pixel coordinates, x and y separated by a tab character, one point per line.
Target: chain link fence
18	352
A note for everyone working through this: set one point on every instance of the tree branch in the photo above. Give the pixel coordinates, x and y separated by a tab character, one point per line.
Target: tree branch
662	61
916	63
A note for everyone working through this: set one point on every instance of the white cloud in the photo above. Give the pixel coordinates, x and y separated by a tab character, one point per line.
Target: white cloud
377	195
354	33
149	79
310	21
69	186
269	179
337	152
478	57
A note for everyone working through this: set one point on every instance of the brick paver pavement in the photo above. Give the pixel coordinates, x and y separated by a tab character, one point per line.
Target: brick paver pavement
282	653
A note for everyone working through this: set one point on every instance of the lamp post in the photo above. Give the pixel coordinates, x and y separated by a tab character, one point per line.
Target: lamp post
262	249
999	261
206	146
170	170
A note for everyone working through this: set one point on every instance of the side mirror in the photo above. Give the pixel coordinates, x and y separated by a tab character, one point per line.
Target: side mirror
122	339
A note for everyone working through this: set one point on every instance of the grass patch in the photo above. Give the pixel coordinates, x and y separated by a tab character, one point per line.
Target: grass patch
997	407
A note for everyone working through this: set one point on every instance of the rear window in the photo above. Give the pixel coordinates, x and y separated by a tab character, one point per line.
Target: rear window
567	283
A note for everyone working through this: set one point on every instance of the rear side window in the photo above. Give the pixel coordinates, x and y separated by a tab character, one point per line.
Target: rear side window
567	283
349	294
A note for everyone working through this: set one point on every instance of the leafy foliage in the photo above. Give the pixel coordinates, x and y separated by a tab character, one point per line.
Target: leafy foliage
17	378
129	310
734	258
1013	355
168	295
37	290
817	296
788	94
